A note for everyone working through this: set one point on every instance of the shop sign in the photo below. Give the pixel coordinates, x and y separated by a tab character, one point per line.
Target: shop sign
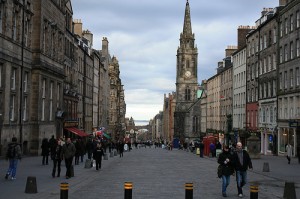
293	124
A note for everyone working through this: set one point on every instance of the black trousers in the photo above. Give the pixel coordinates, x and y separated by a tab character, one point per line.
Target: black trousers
56	163
68	162
45	159
98	163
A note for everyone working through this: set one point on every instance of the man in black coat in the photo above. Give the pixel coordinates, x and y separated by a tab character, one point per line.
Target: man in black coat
242	162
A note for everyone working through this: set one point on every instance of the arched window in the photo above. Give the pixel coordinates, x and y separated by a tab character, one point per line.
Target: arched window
187	94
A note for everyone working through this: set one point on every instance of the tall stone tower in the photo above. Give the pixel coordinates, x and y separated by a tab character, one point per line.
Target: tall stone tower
186	75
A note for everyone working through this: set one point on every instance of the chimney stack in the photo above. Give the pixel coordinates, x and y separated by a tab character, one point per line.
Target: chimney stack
105	46
230	50
78	27
283	2
242	31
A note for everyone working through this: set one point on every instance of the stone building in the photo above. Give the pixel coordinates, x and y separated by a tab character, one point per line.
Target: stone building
15	74
203	114
252	68
168	117
104	84
186	79
289	76
116	101
50	60
239	83
267	78
213	104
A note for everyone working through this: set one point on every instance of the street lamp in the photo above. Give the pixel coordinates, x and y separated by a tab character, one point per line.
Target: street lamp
1	124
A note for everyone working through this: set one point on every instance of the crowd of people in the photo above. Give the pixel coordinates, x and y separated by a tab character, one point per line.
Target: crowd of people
233	160
66	149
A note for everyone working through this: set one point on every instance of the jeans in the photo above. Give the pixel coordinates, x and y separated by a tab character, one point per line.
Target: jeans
225	182
13	163
241	180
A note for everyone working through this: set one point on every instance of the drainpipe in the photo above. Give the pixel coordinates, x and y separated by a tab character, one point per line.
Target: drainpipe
21	79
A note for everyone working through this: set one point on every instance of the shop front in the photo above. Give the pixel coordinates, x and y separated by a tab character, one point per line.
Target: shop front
286	134
268	138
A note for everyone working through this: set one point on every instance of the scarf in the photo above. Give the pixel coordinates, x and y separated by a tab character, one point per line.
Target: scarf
240	156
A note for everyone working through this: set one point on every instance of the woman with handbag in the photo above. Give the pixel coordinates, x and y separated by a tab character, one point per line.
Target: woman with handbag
227	168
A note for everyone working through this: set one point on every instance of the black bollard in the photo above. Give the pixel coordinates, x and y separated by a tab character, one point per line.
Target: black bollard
64	189
128	190
266	167
188	190
289	190
253	191
31	186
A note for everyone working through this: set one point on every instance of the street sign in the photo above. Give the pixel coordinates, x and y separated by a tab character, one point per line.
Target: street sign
293	124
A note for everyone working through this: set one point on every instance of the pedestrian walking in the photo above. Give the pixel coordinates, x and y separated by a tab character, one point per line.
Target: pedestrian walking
78	151
56	156
89	147
45	151
242	162
227	168
13	154
97	155
52	144
68	154
82	149
289	152
201	146
121	148
212	149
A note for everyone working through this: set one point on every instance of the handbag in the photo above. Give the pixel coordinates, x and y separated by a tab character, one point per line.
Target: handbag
219	171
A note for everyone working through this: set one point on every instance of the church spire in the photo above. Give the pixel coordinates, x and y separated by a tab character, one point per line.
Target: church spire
187	25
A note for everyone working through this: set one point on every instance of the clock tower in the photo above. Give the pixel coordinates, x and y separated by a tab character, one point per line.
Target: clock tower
186	74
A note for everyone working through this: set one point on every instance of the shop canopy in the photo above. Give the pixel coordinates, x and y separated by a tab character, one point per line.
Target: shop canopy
77	131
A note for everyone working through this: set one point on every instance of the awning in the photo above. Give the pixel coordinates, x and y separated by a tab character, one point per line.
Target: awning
77	131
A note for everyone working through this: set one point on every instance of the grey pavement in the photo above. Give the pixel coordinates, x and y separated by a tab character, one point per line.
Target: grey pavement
155	173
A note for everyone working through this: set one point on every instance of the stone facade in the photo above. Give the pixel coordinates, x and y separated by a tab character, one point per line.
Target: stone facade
186	79
267	79
54	69
289	76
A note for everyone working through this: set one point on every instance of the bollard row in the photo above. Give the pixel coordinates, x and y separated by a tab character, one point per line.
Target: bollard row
289	191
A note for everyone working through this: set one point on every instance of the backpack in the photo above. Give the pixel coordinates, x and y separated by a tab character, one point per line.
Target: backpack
219	171
11	151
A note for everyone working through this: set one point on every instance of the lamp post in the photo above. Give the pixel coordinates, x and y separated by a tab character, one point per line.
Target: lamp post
1	123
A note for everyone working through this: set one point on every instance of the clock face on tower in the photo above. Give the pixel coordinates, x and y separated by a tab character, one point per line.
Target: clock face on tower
187	73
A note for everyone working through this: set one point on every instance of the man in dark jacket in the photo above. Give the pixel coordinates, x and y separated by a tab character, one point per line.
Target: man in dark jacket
242	162
69	151
13	154
97	155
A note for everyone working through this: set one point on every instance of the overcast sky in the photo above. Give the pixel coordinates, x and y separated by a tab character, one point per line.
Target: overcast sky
144	36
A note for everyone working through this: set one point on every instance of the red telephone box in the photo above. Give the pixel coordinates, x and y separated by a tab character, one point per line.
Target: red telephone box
206	141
